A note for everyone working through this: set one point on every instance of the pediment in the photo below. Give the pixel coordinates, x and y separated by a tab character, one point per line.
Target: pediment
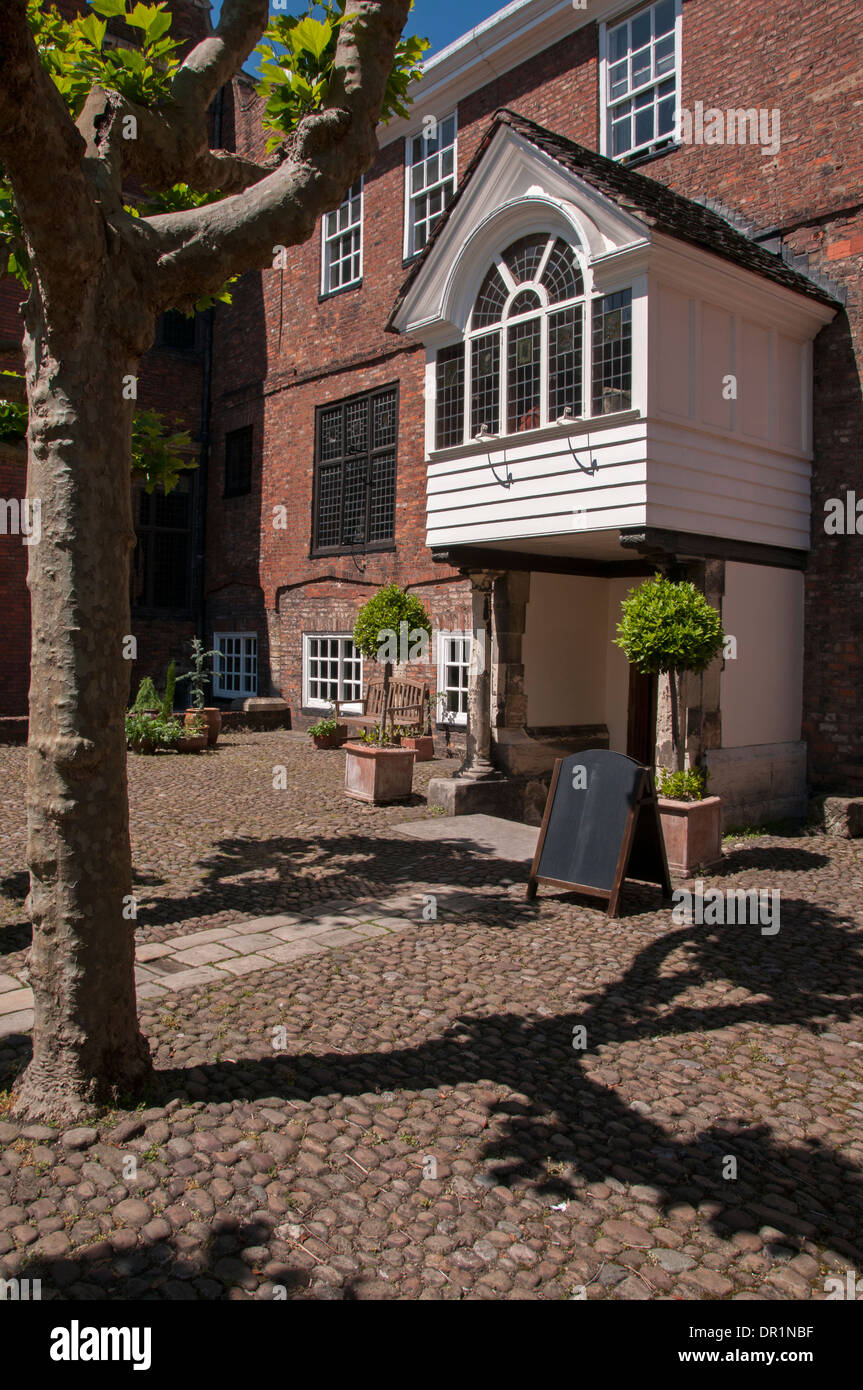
516	189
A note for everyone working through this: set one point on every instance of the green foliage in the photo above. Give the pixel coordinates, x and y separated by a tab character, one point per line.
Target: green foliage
149	732
147	697
297	58
688	785
168	697
323	728
379	737
199	676
13	415
668	627
156	454
383	613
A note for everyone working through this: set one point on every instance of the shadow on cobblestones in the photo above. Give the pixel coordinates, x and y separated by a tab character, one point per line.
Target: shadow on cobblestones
558	1115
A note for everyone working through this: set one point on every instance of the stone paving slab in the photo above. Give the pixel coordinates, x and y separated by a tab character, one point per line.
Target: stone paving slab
492	835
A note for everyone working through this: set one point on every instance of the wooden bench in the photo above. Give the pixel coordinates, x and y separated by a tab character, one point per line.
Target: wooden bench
407	705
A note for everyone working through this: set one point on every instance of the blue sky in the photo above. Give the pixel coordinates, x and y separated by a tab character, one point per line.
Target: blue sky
438	20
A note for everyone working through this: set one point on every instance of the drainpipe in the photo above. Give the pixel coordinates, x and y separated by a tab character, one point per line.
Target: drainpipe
206	412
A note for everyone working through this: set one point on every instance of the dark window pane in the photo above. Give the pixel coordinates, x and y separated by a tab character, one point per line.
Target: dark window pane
170	570
382	503
238	462
562	275
489	304
564	362
485	383
524	302
523	376
329	506
612	352
449	422
178	331
523	257
354	507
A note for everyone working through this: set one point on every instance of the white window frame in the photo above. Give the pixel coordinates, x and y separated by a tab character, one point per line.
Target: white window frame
347	706
455	719
409	251
246	689
605	104
332	232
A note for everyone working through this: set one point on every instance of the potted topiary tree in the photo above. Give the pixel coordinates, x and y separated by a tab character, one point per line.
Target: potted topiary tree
376	769
668	628
198	679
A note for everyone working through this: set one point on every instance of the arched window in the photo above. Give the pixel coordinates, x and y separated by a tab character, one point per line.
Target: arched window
521	364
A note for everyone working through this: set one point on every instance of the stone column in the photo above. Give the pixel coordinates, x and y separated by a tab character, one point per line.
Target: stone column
478	765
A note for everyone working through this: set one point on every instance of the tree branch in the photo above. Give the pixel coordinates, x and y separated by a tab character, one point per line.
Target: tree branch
202	247
42	154
171	143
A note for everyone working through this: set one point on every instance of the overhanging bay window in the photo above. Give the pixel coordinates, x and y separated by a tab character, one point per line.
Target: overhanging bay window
526	355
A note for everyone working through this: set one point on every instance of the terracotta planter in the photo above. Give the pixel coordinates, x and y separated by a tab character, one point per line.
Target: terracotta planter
143	745
212	718
378	775
692	831
422	744
333	740
196	744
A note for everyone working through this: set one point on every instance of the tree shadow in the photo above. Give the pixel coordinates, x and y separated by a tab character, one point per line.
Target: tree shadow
766	858
333	862
563	1118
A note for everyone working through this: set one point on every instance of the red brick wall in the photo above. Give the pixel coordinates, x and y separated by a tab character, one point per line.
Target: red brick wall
805	60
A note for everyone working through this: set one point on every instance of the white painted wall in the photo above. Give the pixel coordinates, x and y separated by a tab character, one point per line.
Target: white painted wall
617	667
761	691
572	672
564	650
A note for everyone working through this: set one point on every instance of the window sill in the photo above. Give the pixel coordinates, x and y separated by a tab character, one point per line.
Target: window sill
646	157
346	553
342	289
585	425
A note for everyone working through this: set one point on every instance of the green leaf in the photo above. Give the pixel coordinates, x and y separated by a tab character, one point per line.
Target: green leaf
111	9
312	36
94	30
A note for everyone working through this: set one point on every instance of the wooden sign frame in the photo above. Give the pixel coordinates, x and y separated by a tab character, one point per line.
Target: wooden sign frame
645	804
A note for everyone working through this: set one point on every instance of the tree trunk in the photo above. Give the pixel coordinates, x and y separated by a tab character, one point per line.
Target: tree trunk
87	1046
388	675
675	693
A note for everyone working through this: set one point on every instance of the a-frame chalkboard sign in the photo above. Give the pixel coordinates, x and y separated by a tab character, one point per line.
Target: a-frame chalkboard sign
601	825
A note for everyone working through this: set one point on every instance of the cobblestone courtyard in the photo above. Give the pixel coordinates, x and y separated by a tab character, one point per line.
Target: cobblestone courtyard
369	1104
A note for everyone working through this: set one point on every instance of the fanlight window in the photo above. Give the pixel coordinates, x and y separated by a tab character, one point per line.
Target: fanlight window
522	362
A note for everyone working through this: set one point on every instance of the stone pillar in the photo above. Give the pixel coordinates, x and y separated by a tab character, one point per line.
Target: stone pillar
478	765
509	702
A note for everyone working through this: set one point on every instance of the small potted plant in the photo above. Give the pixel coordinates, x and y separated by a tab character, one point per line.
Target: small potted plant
147	699
329	733
152	733
376	769
198	679
194	739
668	627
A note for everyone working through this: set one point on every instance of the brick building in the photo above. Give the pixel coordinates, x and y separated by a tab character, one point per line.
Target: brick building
538	354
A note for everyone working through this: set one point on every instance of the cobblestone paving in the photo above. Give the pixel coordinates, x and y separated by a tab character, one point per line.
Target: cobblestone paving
405	1116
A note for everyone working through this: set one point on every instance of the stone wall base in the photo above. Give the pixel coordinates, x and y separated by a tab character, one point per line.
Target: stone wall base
762	782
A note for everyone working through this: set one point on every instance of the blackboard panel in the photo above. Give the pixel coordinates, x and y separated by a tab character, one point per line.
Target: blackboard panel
586	825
